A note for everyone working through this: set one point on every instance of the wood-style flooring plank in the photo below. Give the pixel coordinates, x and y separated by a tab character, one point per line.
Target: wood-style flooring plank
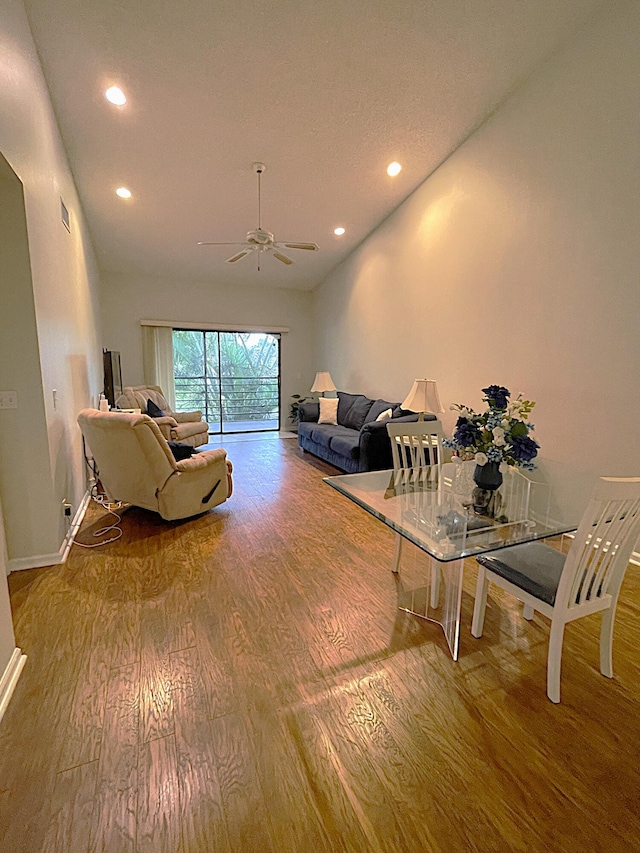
202	817
297	806
156	678
247	813
35	723
86	713
158	798
114	824
72	810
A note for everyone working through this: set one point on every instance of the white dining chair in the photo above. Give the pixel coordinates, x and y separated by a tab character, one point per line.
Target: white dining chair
566	587
415	445
417	452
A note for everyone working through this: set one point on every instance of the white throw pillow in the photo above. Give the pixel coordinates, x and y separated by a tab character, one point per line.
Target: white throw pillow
384	415
328	410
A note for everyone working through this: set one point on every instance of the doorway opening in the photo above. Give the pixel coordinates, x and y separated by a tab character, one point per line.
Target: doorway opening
232	377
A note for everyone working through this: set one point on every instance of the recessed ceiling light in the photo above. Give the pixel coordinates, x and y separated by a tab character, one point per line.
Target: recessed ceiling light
123	192
116	96
394	169
339	231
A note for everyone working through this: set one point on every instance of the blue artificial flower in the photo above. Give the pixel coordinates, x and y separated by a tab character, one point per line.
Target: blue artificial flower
523	448
497	396
466	433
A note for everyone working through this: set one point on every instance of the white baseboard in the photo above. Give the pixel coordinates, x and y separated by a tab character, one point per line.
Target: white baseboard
10	677
37	561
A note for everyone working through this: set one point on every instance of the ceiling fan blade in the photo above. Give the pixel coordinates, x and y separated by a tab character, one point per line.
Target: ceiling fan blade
233	243
281	257
310	247
239	256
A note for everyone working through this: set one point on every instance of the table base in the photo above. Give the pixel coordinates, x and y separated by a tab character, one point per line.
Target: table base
438	601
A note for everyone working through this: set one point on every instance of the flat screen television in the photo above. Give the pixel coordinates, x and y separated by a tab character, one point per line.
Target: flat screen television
112	376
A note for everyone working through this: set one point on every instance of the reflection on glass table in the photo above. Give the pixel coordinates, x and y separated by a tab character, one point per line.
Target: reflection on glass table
421	505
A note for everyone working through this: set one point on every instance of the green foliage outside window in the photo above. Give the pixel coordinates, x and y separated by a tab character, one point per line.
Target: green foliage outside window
237	371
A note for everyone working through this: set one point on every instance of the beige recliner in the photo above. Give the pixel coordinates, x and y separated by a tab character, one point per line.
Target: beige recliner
136	466
187	427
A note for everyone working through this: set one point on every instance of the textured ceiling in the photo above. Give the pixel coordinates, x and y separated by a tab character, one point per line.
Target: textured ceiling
325	93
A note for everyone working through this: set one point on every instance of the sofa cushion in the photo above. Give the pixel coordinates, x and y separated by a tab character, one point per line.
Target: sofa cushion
377	408
308	412
346	443
328	410
321	433
353	410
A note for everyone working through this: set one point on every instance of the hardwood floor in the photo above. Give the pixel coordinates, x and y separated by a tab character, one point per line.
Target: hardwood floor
243	681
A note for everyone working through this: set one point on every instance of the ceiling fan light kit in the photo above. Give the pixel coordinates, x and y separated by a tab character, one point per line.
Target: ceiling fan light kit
259	239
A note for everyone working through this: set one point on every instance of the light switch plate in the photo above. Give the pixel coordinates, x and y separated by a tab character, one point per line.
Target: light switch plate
8	399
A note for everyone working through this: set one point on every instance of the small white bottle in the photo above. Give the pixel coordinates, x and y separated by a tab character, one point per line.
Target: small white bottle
104	403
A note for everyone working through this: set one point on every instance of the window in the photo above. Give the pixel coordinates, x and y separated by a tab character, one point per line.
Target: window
233	377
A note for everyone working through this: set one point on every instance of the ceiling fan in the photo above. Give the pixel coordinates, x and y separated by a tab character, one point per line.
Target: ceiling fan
262	241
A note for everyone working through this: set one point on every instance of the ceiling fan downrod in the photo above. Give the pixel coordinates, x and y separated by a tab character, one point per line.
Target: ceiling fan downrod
259	168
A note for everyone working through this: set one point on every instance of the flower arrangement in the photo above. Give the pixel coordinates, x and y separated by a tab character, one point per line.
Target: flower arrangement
501	434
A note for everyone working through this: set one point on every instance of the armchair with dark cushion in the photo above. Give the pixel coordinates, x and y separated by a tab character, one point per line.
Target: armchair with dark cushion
136	466
186	427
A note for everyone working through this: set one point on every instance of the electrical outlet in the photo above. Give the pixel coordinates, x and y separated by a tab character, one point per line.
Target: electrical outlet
8	399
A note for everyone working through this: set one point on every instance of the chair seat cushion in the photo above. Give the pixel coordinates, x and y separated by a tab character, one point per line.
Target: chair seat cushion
533	566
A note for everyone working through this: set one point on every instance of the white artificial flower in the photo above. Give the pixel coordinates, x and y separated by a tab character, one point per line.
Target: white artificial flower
505	424
481	458
498	436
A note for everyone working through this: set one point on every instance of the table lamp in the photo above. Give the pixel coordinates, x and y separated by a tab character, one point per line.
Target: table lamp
323	382
423	397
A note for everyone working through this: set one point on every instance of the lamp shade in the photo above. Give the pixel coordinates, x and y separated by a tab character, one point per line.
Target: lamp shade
323	382
423	397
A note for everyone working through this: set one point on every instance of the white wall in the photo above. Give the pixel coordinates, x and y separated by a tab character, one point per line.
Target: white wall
517	262
126	300
63	321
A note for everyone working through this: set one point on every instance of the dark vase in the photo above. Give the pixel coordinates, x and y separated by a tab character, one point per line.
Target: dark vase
488	476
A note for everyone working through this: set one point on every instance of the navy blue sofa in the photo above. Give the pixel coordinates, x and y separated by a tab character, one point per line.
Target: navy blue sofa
358	442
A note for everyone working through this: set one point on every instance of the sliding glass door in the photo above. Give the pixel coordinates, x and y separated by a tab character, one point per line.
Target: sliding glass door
232	377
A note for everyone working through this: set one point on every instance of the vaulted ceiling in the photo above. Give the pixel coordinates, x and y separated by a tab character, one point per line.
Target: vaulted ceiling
326	94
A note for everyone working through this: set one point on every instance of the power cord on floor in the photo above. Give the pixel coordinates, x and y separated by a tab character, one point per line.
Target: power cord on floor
101	499
104	530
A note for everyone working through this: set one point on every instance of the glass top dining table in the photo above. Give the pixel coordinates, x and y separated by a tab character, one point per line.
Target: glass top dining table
423	507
